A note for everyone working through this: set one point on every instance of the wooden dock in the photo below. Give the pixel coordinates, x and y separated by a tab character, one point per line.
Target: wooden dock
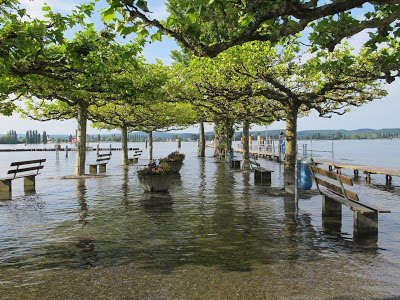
260	151
367	170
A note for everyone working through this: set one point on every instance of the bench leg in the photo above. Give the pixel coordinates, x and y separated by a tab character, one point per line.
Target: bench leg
102	168
264	177
5	189
235	164
331	208
365	224
29	183
93	169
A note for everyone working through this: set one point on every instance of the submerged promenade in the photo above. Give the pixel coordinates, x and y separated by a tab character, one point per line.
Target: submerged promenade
216	234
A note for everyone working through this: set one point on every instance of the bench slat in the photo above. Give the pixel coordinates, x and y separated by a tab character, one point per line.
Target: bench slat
344	179
355	206
27	162
14	171
103	159
337	189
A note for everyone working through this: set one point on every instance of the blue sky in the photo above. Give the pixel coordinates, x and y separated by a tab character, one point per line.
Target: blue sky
378	114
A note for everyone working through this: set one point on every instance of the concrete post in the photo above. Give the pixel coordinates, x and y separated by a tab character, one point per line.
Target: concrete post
29	183
331	208
365	224
5	186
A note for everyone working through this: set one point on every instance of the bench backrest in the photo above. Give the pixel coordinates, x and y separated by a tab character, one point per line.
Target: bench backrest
335	182
33	165
104	156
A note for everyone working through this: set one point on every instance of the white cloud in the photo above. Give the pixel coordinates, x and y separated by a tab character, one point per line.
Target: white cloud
34	8
158	11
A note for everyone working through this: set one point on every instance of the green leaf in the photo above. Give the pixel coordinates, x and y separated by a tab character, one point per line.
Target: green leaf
142	5
107	14
156	37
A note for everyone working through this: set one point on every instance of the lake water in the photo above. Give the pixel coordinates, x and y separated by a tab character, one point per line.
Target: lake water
215	235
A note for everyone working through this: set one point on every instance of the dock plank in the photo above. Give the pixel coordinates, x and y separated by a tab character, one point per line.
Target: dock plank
363	168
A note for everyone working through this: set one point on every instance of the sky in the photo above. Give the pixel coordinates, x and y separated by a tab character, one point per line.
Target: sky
378	114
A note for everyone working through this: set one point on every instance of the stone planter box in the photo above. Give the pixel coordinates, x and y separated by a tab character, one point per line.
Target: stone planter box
155	183
175	166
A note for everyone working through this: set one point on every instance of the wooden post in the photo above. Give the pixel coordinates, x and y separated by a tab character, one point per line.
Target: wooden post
66	151
259	143
110	148
368	177
29	183
179	143
98	149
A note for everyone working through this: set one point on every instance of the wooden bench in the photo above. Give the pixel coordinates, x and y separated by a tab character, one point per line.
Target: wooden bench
260	174
331	186
29	170
135	157
101	162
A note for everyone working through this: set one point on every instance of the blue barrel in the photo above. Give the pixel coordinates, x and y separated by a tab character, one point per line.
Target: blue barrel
305	181
230	157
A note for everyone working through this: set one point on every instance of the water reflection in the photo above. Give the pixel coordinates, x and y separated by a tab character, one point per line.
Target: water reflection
86	256
211	217
157	204
125	186
80	189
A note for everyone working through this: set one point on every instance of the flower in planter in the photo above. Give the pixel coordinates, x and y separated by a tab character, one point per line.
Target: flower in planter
174	156
154	169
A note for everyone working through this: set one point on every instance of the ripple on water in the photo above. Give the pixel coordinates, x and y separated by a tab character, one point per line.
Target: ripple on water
214	229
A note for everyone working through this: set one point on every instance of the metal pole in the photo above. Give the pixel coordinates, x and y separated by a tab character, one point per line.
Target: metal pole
311	148
333	158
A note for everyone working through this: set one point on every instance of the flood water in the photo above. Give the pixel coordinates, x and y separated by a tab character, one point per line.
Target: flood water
215	235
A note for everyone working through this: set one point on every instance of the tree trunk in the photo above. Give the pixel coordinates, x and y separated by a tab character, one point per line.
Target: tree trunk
290	146
150	139
245	145
202	145
227	139
81	140
124	140
218	145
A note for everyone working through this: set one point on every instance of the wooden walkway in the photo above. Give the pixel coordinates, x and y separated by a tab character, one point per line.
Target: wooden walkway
365	169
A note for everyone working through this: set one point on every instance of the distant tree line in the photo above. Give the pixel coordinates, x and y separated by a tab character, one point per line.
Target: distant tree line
31	137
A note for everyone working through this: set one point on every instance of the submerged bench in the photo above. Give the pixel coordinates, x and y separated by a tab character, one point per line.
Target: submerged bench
260	174
29	170
135	157
331	186
101	162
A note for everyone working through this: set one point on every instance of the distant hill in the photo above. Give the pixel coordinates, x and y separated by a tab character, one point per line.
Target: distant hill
362	133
